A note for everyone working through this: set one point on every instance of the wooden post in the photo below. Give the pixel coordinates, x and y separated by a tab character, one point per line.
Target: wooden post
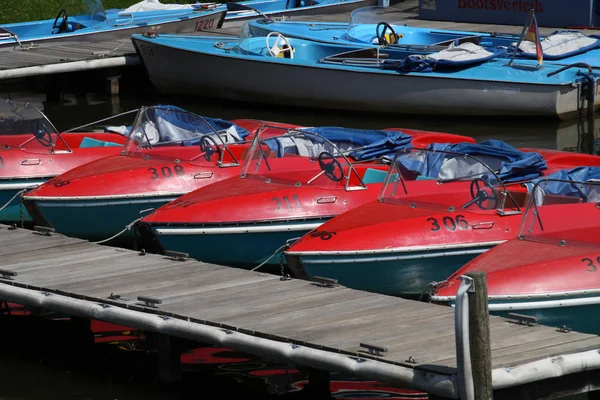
169	361
479	337
318	384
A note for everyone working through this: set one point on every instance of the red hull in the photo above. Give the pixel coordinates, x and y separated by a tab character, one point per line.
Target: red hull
36	161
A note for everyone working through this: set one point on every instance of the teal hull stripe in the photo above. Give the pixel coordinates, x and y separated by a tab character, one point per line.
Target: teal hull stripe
400	274
12	212
235	247
96	220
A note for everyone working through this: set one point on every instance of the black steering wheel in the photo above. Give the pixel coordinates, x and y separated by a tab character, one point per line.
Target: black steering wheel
206	146
479	193
381	36
329	164
62	27
44	138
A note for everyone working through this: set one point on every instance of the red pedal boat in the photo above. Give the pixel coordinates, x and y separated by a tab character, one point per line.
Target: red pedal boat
420	231
244	220
33	151
549	272
169	152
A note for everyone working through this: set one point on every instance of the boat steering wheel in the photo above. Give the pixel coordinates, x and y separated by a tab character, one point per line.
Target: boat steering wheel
206	146
329	164
44	138
275	50
381	36
63	24
479	193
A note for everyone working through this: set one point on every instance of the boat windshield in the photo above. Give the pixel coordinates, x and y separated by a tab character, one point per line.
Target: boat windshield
17	118
157	127
299	158
417	177
366	20
562	212
89	13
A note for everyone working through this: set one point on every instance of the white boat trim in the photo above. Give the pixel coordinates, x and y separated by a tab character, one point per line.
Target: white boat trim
532	305
106	197
237	229
20	185
567	295
407	249
395	258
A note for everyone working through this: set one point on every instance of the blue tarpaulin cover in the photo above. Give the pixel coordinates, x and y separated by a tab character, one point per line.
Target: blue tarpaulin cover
370	144
421	63
573	188
188	121
513	165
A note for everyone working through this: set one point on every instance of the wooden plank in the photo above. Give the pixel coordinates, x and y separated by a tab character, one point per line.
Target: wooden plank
321	298
403	313
131	277
256	303
133	269
32	241
46	253
549	347
148	290
56	261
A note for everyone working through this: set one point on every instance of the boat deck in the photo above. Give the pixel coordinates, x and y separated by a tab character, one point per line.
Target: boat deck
23	62
293	320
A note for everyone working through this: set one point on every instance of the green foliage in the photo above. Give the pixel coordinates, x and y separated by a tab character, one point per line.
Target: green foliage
32	10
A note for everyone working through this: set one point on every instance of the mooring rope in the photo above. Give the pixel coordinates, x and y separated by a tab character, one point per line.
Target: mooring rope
127	228
14	197
280	248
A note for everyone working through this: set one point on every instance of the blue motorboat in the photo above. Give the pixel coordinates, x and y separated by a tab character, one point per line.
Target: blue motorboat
464	79
387	26
90	22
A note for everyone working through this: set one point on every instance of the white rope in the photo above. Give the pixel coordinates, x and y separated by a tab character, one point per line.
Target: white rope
14	197
127	228
271	256
102	53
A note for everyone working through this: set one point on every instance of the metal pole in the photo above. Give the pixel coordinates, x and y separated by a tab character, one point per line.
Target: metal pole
527	23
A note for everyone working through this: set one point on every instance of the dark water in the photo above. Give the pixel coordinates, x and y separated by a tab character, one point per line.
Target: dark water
39	360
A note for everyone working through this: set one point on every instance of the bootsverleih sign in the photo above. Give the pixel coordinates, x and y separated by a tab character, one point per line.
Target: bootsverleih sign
552	13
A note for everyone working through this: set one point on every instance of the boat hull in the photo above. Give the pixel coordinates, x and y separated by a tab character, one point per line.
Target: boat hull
176	71
237	246
232	19
9	199
404	274
184	24
108	217
556	310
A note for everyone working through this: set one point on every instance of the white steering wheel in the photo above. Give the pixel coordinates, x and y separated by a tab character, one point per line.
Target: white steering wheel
275	50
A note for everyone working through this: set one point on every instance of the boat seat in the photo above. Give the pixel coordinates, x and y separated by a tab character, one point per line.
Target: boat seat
373	175
87	142
467	39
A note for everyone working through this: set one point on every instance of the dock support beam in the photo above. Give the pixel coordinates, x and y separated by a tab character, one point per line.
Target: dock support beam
318	384
169	358
479	337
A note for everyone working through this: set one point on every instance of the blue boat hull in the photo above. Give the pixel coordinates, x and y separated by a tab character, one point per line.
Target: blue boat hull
11	213
94	220
400	274
573	312
236	249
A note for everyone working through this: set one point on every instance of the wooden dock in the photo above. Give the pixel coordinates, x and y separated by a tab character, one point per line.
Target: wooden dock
23	62
292	320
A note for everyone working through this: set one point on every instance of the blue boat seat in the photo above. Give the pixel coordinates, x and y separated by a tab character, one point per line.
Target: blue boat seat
89	142
373	175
